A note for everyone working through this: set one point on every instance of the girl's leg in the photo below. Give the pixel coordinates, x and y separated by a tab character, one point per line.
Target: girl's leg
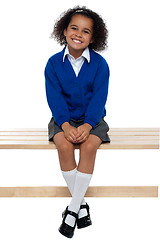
65	152
67	161
88	151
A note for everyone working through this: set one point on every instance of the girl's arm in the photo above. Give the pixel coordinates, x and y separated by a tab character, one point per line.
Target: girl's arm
55	98
97	103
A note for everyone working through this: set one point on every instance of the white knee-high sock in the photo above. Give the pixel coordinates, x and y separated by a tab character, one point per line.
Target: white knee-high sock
69	177
82	181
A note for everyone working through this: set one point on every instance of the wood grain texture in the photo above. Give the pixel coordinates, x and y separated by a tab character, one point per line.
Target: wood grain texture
97	191
121	138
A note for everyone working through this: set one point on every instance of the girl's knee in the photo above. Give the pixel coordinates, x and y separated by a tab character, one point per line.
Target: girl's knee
89	148
65	147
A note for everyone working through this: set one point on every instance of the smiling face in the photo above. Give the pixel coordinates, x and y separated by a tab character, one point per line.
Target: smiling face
79	34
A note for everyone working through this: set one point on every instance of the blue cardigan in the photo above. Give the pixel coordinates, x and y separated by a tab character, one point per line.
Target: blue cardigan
81	97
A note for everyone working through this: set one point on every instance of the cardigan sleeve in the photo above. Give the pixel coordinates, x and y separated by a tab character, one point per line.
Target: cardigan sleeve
55	98
97	103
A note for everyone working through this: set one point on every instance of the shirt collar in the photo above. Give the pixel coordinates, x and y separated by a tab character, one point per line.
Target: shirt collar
85	54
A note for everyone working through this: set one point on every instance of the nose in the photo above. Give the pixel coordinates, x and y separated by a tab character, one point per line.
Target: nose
79	34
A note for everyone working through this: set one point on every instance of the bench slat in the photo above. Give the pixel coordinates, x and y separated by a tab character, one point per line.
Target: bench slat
45	129
49	145
45	138
126	138
112	131
97	191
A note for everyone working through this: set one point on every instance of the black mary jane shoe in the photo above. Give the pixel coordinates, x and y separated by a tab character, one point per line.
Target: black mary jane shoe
65	229
84	221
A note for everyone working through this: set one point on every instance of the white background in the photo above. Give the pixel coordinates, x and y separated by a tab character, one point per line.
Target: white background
133	58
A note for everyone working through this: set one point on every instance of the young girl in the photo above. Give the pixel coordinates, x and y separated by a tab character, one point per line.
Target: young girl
76	89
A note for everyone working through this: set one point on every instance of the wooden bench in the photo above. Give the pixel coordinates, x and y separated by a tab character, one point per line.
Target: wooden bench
121	138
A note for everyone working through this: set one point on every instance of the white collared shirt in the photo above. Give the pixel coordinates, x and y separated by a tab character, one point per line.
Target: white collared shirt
77	63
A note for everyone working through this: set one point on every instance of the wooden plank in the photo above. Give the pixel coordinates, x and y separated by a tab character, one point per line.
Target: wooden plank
27	145
98	191
112	131
127	145
50	145
111	134
21	133
134	134
128	138
23	138
45	138
23	130
135	129
45	129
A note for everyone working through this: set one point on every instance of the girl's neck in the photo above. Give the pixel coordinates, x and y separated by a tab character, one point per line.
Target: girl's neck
75	53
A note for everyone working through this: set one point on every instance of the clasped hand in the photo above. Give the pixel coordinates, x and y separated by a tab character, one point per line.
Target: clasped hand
76	135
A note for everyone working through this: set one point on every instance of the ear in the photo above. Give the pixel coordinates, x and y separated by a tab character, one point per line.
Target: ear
65	32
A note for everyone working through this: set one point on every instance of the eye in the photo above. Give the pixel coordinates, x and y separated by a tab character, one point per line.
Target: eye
74	28
85	31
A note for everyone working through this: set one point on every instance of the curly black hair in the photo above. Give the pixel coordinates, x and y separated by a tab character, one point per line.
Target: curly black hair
100	32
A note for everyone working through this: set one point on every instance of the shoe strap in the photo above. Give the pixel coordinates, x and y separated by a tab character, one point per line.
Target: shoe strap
84	206
71	213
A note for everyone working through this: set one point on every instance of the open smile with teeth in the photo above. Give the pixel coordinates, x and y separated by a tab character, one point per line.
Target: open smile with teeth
76	41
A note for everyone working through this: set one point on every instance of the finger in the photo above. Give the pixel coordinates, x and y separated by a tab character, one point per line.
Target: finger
73	138
78	136
70	139
82	136
75	132
82	140
79	133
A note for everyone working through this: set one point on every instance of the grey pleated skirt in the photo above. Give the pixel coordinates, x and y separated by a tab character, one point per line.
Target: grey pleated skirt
100	129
